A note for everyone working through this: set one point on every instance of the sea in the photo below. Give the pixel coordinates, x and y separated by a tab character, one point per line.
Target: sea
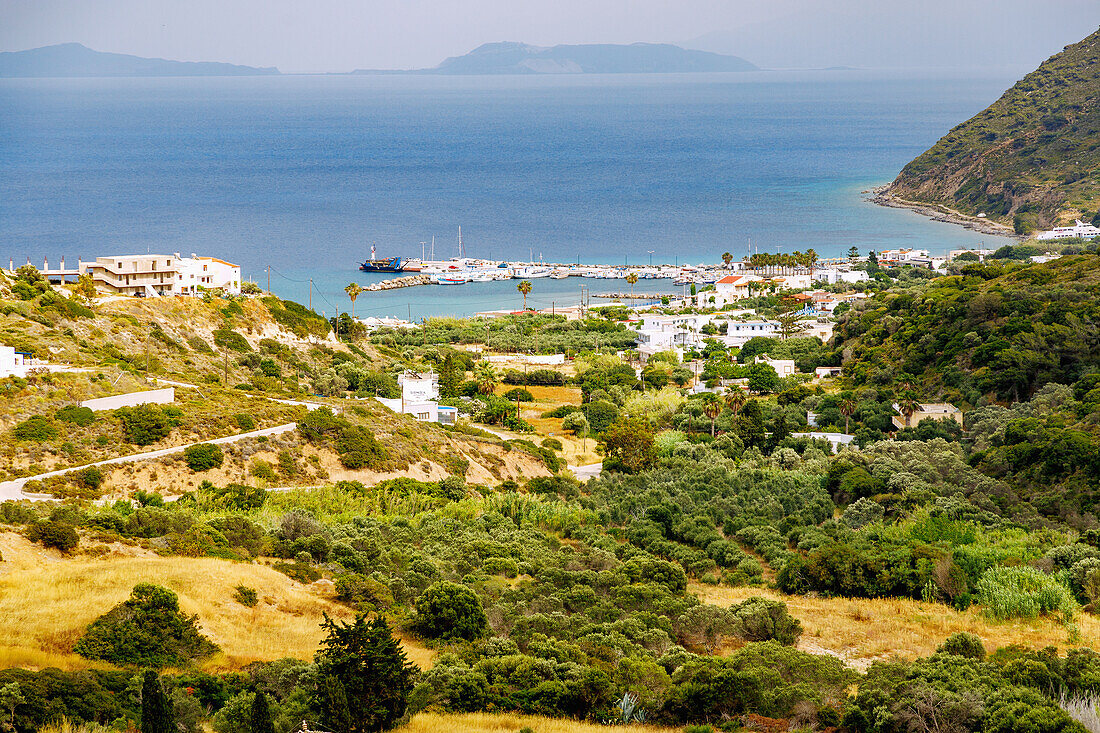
298	176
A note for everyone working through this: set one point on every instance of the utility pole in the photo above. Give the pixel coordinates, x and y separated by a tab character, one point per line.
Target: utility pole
225	369
269	278
311	293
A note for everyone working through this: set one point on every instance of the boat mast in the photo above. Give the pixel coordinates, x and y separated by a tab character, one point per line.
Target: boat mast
460	255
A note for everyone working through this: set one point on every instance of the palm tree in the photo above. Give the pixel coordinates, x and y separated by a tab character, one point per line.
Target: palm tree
525	288
847	408
353	291
811	258
908	404
486	378
632	277
712	408
727	258
735	400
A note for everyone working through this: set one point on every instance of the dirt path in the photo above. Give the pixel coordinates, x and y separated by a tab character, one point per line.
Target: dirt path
14	489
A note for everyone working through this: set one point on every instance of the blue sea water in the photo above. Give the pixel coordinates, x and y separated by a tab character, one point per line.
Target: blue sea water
303	173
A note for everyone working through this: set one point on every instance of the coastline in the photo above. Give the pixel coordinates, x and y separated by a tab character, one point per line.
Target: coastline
937	212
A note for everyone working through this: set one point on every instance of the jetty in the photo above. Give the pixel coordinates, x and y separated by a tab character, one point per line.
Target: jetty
400	282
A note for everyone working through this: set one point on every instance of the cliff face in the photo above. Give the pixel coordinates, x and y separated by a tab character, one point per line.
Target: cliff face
1031	159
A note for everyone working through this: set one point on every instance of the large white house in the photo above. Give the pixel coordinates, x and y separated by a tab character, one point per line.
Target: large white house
728	289
153	275
1079	229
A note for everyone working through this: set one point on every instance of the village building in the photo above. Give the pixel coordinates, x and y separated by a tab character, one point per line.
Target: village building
156	275
926	411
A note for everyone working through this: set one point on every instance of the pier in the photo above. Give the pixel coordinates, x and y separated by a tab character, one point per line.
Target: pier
400	282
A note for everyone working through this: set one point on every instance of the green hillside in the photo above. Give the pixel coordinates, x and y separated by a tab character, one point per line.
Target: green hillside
1031	159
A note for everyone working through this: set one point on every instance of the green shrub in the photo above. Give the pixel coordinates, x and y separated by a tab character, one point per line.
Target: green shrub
227	338
89	478
36	427
245	423
762	619
263	470
964	644
300	571
203	457
450	611
143	424
246	596
359	449
551	443
75	414
1023	592
518	395
59	535
146	630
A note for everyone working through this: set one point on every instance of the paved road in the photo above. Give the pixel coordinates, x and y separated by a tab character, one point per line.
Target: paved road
14	489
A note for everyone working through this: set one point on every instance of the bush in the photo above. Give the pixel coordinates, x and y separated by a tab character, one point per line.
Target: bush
75	414
359	449
964	644
1023	592
145	630
89	478
203	457
229	339
761	619
450	611
143	424
518	395
246	596
36	427
551	443
59	535
245	423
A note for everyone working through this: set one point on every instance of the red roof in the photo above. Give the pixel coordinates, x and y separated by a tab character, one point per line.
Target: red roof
731	280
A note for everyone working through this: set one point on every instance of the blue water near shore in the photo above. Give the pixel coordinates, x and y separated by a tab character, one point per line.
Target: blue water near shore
303	173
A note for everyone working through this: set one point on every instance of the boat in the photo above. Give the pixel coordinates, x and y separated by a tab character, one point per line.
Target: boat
388	264
450	278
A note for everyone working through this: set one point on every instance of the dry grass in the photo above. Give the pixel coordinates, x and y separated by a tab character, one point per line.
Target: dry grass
860	630
47	600
508	723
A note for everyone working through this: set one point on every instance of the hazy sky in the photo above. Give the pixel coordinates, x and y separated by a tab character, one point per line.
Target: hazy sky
340	35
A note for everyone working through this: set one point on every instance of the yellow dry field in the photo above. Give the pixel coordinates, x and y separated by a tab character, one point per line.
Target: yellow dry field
575	451
508	723
860	630
47	600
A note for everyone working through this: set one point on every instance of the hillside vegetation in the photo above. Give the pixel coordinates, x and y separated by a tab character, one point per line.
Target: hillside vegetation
1031	159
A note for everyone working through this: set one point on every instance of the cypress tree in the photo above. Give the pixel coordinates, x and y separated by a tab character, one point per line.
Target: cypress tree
261	714
334	706
156	708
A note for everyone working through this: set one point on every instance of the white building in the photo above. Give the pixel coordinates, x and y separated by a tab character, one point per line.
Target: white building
903	256
675	333
834	275
1079	229
782	367
728	289
926	411
978	251
738	333
12	363
154	275
196	273
419	395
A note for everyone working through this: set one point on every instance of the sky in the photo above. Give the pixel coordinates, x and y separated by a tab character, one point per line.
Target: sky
341	35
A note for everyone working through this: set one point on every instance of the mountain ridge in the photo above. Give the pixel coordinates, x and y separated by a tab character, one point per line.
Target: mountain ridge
77	60
1030	160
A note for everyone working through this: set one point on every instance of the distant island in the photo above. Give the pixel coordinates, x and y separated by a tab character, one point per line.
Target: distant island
77	60
1029	161
603	58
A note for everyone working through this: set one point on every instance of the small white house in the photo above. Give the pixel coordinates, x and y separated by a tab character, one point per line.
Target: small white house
827	371
671	333
782	367
205	272
419	395
12	363
738	333
728	289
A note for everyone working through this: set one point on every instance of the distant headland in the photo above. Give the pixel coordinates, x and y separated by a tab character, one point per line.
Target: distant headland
599	58
77	60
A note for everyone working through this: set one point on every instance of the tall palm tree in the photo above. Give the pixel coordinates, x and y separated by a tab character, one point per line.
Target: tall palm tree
811	258
525	288
486	378
353	291
847	408
632	277
735	400
908	405
727	258
712	408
